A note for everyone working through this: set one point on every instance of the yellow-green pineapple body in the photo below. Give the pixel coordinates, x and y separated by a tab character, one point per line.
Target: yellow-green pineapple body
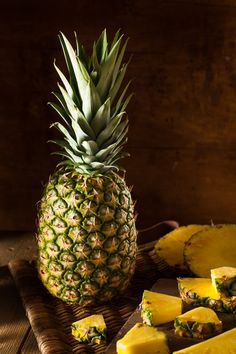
200	322
86	221
86	237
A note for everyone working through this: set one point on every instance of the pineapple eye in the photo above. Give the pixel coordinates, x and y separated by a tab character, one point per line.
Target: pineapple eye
85	269
72	278
67	257
55	268
60	206
64	242
77	233
82	251
124	200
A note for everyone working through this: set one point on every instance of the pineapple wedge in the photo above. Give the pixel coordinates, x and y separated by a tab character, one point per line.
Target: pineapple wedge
200	292
170	247
200	322
91	329
143	339
224	343
224	281
157	308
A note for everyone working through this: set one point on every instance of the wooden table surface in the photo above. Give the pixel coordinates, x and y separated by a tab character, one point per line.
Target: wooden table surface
16	336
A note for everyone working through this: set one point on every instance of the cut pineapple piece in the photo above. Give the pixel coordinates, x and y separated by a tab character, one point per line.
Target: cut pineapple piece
211	248
157	308
224	281
143	339
224	343
200	292
170	247
200	322
90	329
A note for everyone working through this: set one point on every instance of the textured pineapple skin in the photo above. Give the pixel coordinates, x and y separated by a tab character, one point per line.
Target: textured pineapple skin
198	323
218	304
224	281
86	237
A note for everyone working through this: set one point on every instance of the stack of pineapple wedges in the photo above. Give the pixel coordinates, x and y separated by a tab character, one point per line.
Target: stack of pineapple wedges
211	288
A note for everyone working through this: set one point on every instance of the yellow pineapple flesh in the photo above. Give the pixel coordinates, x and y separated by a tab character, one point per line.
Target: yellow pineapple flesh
144	339
170	247
157	308
211	248
224	343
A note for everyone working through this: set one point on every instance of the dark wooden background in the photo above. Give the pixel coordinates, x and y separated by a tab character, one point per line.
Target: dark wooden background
182	136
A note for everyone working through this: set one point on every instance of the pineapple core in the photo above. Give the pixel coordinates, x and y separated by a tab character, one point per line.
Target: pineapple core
143	339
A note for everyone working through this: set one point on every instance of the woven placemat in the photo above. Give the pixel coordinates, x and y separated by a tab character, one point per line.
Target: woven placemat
51	319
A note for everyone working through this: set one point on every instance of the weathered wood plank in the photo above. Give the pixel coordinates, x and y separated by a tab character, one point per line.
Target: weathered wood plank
16	245
30	345
13	322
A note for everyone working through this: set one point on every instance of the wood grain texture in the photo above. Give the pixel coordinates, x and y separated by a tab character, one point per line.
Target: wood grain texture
182	118
13	322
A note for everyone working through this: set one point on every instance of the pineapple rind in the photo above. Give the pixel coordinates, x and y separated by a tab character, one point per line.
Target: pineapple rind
86	255
190	294
198	323
224	281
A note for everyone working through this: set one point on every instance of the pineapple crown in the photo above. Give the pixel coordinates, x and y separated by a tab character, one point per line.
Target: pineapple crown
95	123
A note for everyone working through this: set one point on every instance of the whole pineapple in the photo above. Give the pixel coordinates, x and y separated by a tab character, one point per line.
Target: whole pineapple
86	222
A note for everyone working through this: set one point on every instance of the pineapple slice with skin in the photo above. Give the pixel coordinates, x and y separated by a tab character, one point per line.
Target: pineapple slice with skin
211	248
224	343
200	292
91	329
200	322
224	281
170	247
144	339
158	308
